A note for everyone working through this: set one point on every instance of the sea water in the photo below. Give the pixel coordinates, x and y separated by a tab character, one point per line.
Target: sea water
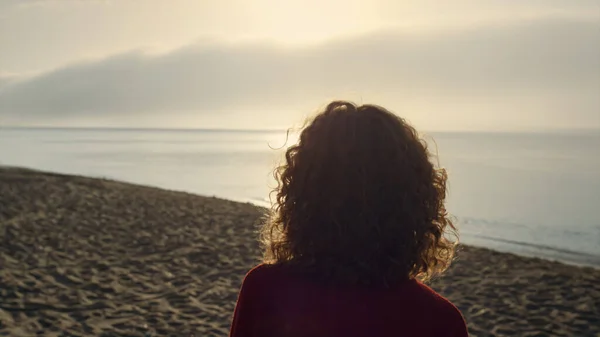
528	193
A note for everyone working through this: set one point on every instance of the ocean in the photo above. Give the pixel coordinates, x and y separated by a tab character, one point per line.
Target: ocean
534	194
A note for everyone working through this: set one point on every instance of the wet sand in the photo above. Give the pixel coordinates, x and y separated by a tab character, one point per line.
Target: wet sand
90	257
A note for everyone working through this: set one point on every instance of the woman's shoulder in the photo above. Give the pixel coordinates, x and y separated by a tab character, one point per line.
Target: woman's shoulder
263	273
440	303
444	309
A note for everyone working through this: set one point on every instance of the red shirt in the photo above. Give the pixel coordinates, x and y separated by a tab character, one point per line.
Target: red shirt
275	303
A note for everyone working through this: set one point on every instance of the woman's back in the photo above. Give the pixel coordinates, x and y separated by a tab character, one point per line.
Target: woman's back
277	302
359	216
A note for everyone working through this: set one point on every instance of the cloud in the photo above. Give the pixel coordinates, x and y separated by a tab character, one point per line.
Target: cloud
547	66
28	3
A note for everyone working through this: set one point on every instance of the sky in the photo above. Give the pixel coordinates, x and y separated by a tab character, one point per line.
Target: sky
473	65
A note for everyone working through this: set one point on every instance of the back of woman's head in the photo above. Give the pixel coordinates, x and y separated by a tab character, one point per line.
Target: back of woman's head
359	201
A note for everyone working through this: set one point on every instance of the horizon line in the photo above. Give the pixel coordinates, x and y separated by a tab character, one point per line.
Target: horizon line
124	128
221	129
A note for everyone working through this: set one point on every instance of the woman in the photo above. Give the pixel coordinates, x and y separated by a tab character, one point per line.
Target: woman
359	222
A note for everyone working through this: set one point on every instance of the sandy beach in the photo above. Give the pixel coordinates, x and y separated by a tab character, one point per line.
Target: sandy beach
91	257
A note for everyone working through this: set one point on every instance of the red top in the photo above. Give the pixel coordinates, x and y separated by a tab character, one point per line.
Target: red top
275	303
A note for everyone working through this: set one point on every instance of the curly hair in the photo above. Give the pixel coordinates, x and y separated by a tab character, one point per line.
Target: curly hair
358	201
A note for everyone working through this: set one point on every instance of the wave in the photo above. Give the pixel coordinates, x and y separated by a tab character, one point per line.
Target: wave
539	251
259	201
535	245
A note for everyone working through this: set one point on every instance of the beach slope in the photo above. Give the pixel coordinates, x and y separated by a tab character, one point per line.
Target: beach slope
87	257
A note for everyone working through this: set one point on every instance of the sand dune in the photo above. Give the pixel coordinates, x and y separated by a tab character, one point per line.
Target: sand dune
89	257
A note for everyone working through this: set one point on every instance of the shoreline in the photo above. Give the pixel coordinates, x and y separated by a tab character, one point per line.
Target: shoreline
524	249
89	256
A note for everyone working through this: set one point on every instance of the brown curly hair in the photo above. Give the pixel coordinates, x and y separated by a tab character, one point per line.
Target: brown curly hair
358	201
